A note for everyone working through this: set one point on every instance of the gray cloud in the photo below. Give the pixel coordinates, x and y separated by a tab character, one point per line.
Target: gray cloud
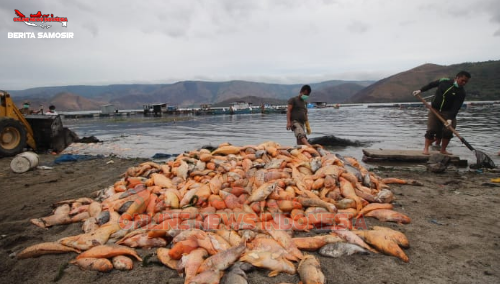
358	27
271	41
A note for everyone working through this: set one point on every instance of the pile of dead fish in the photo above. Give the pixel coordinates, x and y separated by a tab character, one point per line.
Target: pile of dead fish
210	213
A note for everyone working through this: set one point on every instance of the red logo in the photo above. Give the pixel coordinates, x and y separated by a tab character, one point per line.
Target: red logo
39	19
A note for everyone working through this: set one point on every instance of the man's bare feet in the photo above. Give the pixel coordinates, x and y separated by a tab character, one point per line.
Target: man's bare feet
425	152
446	153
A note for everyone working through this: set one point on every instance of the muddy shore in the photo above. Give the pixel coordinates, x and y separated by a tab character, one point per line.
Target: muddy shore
454	235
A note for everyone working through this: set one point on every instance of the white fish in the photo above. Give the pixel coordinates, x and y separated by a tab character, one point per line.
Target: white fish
341	249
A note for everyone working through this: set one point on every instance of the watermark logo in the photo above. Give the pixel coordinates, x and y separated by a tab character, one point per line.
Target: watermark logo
40	20
44	21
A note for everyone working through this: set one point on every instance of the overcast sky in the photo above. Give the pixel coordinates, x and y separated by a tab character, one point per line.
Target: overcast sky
275	41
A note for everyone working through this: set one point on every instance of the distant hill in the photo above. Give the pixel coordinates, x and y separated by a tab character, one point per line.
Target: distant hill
256	101
72	102
183	94
336	94
484	85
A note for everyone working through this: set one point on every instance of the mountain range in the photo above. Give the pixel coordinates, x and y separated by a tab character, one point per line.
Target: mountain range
484	85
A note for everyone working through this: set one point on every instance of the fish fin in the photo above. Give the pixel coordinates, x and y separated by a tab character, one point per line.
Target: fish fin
273	273
39	222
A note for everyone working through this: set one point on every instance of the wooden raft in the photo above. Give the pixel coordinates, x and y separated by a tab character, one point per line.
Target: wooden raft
374	155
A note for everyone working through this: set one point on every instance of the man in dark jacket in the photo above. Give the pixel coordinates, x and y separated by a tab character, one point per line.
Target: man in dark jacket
296	116
448	100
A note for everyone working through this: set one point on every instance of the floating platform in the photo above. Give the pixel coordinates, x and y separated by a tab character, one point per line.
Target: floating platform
385	155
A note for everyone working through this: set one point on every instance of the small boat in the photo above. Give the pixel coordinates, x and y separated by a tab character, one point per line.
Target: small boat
207	109
320	104
154	109
241	107
266	108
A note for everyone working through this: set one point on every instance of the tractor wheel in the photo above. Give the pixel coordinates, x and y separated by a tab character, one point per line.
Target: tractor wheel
12	137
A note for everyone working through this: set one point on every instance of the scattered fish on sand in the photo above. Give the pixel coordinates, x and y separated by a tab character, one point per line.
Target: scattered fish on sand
222	211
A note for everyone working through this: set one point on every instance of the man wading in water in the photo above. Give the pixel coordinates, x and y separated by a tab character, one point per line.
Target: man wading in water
296	116
450	96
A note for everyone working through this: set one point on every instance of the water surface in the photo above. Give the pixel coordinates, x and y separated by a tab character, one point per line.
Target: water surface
385	128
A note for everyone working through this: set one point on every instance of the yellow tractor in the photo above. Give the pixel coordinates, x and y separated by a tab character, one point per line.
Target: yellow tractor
38	132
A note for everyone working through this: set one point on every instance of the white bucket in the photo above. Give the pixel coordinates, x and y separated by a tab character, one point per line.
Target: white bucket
24	162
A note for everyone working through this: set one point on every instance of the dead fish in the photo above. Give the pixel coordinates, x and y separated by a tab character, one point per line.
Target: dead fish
122	262
222	260
96	264
352	170
315	164
353	238
381	240
236	273
189	263
90	225
95	209
308	202
207	277
387	215
44	248
143	241
105	251
397	236
340	157
89	240
322	152
384	196
341	249
103	218
262	192
366	181
138	188
373	206
60	217
259	153
226	150
309	271
182	170
165	258
270	261
274	164
125	207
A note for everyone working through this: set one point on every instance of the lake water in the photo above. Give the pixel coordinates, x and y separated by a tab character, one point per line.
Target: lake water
385	128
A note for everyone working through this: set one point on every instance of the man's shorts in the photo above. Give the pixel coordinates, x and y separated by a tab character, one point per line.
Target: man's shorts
298	129
436	128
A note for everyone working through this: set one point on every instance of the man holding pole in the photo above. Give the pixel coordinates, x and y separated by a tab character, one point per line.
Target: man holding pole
448	100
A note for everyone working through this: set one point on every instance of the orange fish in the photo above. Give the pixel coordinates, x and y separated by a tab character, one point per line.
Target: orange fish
316	242
89	240
386	215
107	251
270	245
191	262
283	239
309	271
398	237
381	240
44	248
268	260
373	206
97	264
347	191
223	260
182	247
164	257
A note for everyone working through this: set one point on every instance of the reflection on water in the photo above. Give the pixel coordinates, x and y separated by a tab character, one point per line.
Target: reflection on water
385	128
